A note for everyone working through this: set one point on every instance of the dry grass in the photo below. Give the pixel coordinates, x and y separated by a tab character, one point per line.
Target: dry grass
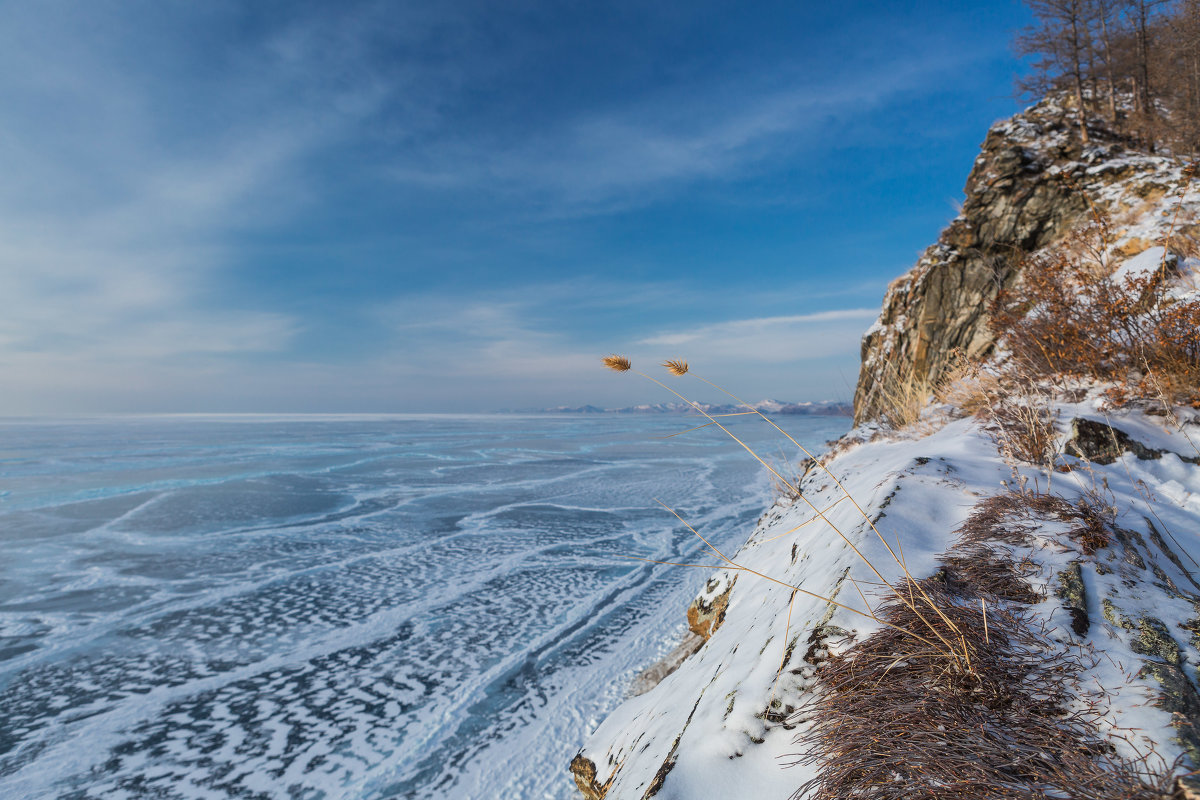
617	363
967	387
789	488
1020	419
1004	578
1070	317
900	398
939	638
890	722
1016	516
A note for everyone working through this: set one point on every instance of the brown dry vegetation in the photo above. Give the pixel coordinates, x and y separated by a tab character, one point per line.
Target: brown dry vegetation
966	387
1068	317
891	721
1020	419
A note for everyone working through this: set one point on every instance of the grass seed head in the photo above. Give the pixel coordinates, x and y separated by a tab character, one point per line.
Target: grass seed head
618	363
676	366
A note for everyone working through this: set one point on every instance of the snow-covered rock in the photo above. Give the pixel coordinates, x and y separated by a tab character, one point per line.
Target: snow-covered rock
1031	185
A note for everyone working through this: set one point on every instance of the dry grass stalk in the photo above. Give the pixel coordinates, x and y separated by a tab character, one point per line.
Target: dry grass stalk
618	363
1020	420
891	722
1015	517
732	565
790	489
966	386
1170	411
948	645
900	398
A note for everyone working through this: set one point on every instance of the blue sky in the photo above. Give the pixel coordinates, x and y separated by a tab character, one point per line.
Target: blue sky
460	206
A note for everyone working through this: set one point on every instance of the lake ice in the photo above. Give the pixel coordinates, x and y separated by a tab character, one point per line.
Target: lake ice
344	607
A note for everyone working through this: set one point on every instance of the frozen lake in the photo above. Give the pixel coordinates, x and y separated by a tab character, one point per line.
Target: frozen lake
343	607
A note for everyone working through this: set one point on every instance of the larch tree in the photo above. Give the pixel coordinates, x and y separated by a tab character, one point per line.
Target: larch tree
1063	39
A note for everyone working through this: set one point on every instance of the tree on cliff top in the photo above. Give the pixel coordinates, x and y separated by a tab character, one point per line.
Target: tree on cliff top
1136	62
1063	41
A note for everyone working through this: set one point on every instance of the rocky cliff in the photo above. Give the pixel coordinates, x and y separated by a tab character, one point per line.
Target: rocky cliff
1031	183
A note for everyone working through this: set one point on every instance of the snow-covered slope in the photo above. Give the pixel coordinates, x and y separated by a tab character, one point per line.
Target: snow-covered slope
1120	601
720	726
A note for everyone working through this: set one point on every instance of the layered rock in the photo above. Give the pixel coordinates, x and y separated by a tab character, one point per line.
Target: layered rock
1031	183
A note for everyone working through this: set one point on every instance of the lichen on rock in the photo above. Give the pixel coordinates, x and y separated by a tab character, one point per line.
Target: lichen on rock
1071	592
1104	444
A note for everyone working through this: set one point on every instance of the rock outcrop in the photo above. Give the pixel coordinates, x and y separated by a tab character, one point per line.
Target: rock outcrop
707	611
1031	184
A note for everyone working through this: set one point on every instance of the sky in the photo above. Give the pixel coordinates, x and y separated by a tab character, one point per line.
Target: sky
460	206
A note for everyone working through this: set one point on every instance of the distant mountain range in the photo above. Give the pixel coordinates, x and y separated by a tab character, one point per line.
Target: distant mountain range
827	407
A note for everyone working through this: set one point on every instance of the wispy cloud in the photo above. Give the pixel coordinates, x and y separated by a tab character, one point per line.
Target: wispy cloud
512	341
630	155
121	204
798	337
151	156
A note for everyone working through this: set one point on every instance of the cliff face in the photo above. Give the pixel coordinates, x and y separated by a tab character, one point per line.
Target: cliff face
1030	184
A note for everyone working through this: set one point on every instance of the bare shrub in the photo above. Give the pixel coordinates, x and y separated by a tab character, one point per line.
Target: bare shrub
1070	317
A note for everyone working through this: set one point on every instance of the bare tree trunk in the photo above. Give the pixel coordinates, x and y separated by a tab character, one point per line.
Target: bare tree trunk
1077	64
1104	10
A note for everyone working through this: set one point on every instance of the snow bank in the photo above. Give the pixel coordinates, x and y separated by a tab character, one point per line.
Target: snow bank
723	724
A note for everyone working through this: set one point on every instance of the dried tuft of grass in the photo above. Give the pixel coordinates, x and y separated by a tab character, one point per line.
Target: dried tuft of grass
1015	517
902	398
676	366
618	363
966	386
976	565
891	722
1021	421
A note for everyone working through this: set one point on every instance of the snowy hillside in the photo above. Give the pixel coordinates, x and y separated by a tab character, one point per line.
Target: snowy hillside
993	592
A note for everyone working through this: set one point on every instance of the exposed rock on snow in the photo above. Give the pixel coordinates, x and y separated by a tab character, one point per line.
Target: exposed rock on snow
1104	444
707	611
